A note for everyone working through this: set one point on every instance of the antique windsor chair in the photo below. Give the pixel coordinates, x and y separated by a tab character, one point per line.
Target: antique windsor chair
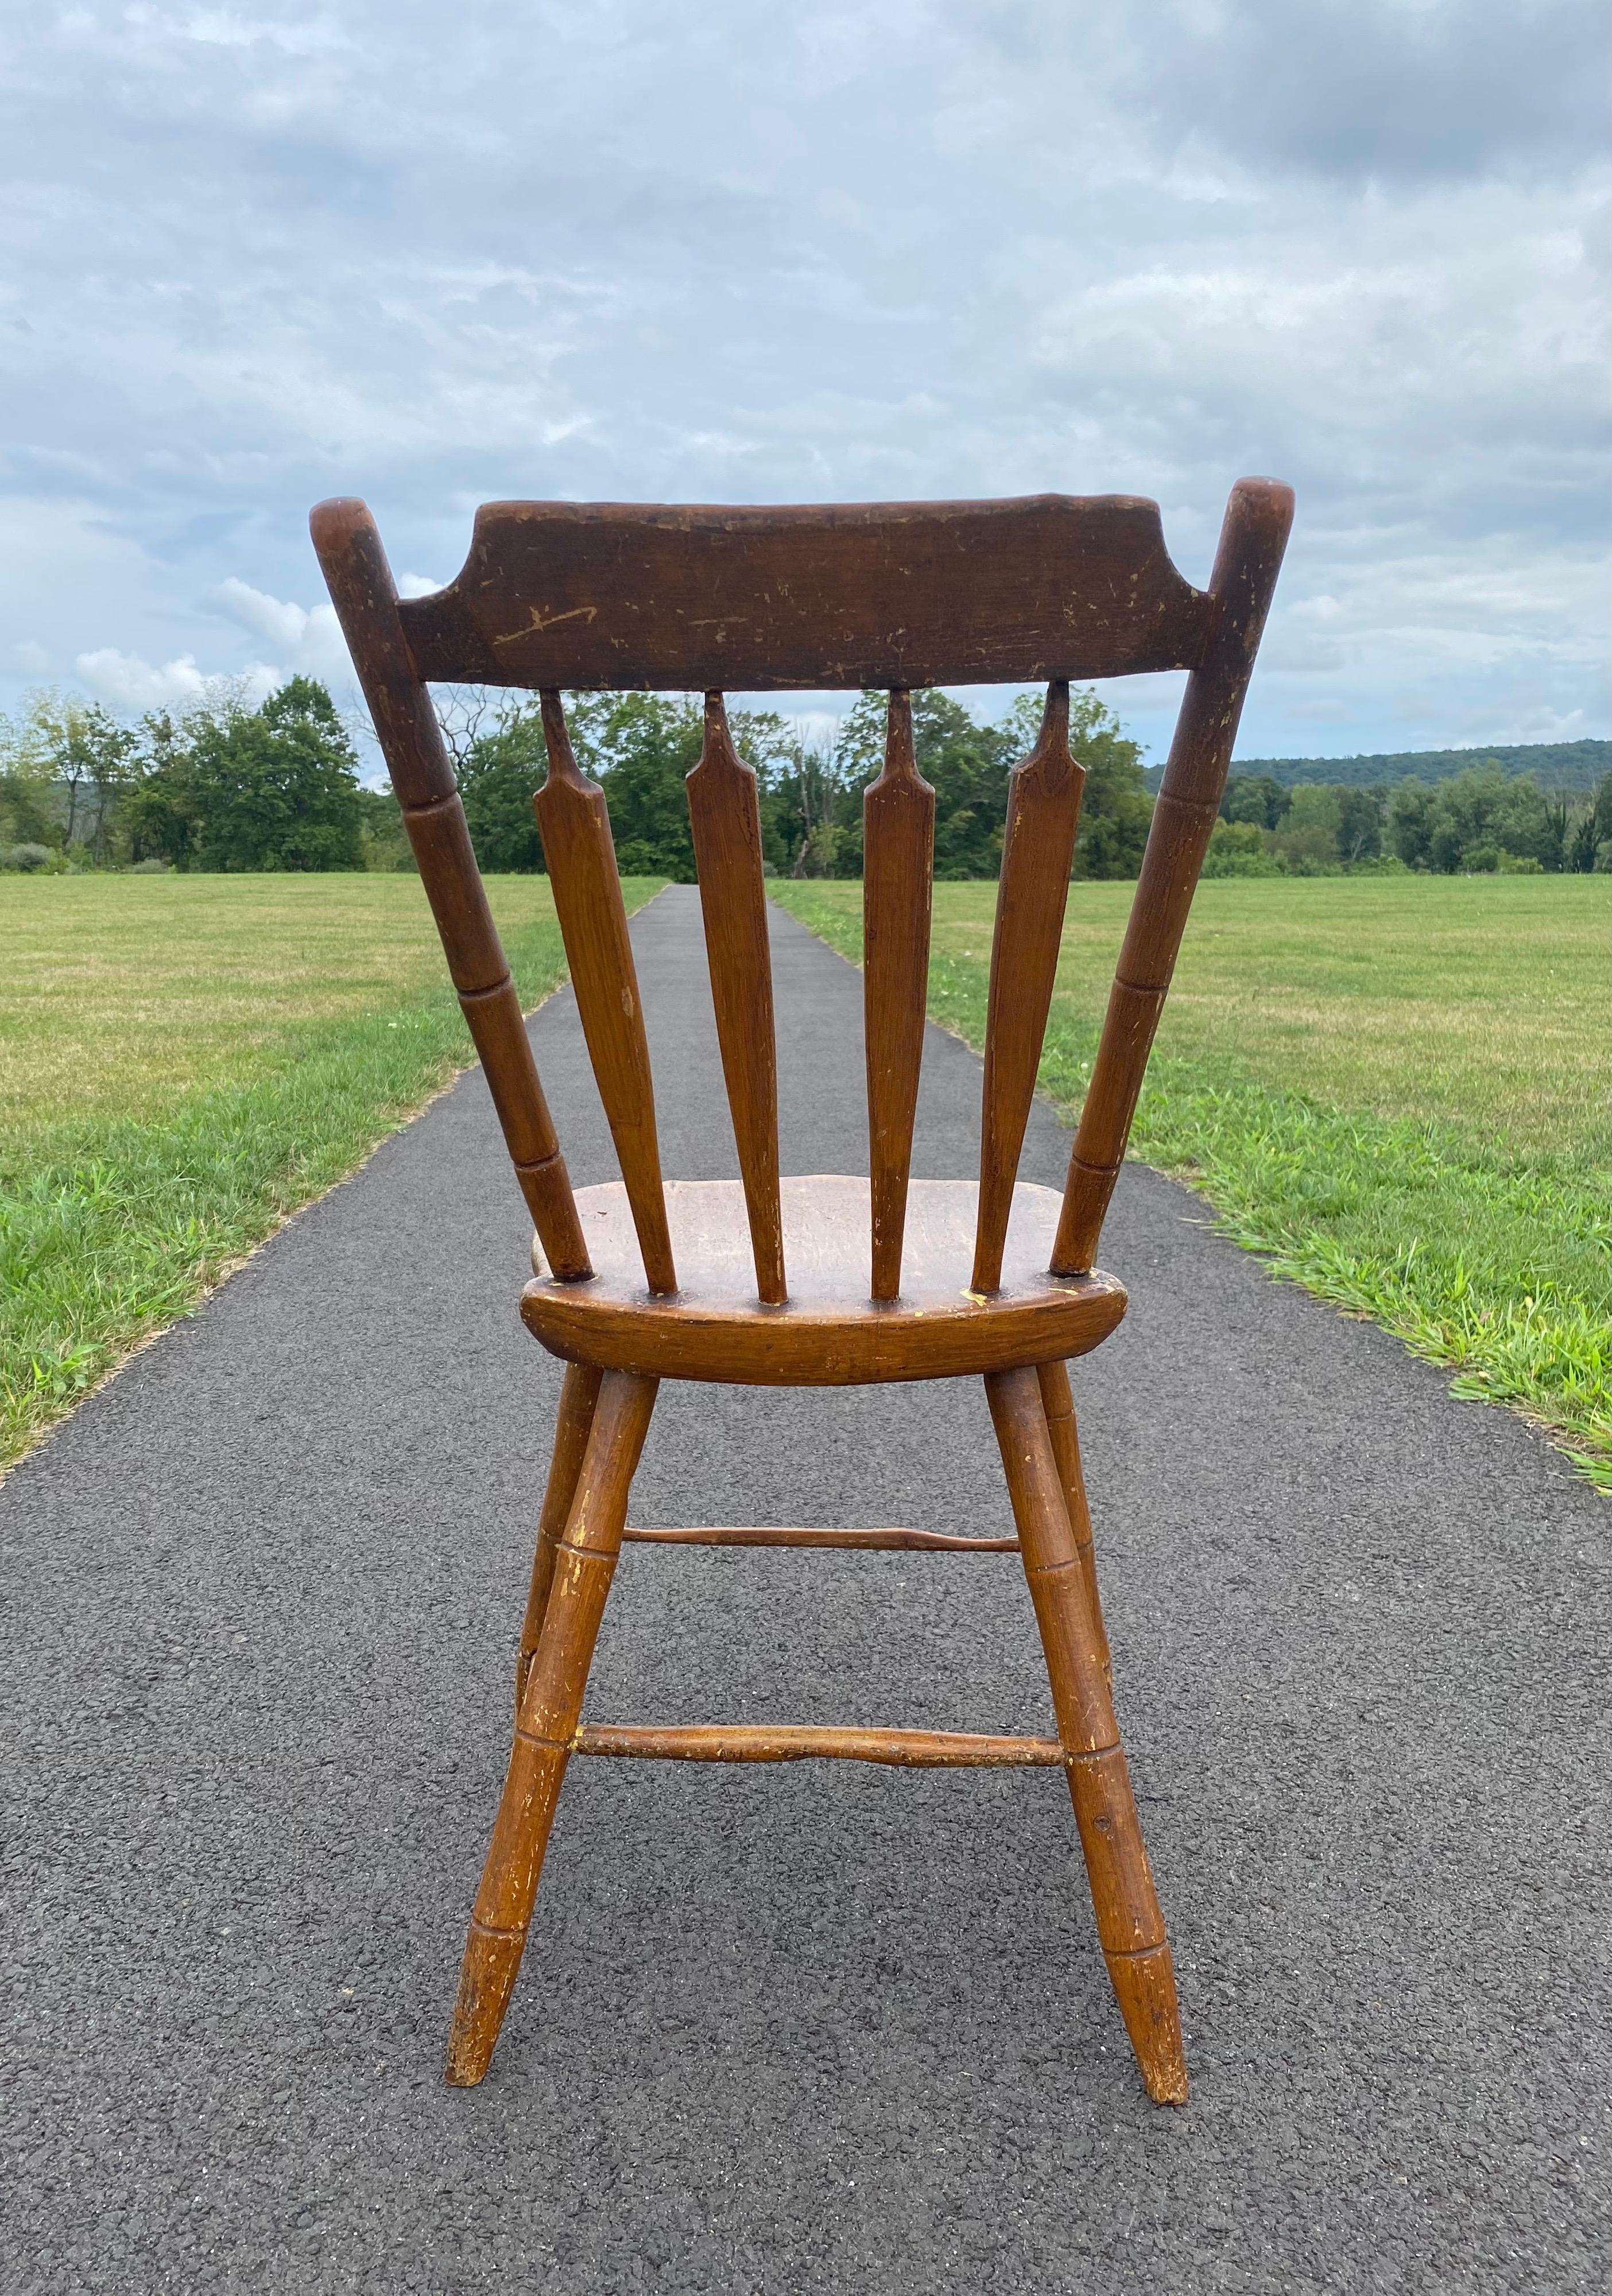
853	1280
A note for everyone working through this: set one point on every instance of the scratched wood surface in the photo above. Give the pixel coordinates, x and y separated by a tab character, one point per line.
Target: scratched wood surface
740	600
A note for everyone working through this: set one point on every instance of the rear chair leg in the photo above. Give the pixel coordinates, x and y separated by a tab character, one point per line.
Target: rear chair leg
1129	1922
546	1725
578	1395
1059	1405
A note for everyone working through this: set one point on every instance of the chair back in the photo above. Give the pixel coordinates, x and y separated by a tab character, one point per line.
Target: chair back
561	596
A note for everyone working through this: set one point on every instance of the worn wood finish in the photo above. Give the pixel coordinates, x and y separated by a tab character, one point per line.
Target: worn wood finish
1038	849
1129	1924
828	1334
578	1395
1059	1404
581	856
546	1729
725	816
996	1278
796	1741
892	1541
692	599
1254	536
898	872
367	607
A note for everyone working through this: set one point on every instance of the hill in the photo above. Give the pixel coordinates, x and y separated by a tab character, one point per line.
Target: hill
1554	765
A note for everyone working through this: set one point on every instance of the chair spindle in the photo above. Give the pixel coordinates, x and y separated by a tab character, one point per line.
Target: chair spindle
898	874
724	813
581	856
355	568
1253	538
1038	849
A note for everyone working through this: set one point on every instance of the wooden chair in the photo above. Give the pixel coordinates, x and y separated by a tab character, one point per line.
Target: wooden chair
828	1281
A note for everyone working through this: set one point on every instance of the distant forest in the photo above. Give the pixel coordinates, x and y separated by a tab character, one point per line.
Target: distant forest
1561	766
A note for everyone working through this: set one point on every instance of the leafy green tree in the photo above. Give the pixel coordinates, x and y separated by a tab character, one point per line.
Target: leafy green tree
1257	798
497	775
232	788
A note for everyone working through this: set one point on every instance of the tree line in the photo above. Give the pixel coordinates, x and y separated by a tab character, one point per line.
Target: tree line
228	786
225	786
1480	821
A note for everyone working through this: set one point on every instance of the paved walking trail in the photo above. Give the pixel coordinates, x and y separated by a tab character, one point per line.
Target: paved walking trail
817	2027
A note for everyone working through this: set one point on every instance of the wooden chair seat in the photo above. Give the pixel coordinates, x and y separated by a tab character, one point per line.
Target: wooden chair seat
825	1281
827	1333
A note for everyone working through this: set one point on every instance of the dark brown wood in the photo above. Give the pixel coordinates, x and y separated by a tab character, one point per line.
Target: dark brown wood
1254	536
828	1334
693	599
367	603
1038	849
893	1541
794	1742
725	815
546	1729
579	1394
1129	1924
898	872
581	856
1059	1404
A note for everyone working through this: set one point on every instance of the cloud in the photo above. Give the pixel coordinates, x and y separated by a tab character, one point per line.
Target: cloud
265	253
132	685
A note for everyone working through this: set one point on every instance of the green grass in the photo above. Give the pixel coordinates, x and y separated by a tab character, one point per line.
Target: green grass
185	1062
1394	1088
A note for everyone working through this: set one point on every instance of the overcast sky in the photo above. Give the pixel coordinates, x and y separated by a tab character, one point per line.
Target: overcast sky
689	249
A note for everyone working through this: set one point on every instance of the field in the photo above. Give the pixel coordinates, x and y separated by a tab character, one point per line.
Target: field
184	1062
1394	1089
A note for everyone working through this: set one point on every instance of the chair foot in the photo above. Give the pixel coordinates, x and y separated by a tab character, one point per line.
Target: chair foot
1144	1986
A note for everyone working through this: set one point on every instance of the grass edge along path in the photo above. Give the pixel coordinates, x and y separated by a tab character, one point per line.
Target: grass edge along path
115	1228
1404	1221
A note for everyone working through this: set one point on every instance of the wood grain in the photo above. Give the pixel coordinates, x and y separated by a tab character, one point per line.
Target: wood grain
367	607
696	599
892	1541
1128	1921
581	856
1254	536
793	1741
828	1334
545	1728
578	1395
725	815
1059	1404
898	872
1038	849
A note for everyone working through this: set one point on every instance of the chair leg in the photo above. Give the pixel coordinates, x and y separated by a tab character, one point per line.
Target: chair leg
578	1395
1059	1405
546	1727
1129	1922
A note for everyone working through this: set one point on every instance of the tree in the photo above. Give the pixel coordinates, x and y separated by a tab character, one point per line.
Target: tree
273	788
499	771
1257	798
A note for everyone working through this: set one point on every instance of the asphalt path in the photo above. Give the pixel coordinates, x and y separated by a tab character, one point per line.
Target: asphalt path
821	2027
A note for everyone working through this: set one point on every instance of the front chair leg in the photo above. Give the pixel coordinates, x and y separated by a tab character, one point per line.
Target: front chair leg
546	1725
1059	1405
579	1396
1129	1922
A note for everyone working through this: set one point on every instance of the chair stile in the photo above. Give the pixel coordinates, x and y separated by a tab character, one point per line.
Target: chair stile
556	597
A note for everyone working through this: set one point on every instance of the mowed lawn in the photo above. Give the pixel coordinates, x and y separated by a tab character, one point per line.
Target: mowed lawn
1394	1087
184	1062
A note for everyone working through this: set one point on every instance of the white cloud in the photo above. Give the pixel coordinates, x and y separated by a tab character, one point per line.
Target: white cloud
926	249
132	685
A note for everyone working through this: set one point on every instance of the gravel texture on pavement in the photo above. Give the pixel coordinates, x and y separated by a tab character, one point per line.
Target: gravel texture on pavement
820	2027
